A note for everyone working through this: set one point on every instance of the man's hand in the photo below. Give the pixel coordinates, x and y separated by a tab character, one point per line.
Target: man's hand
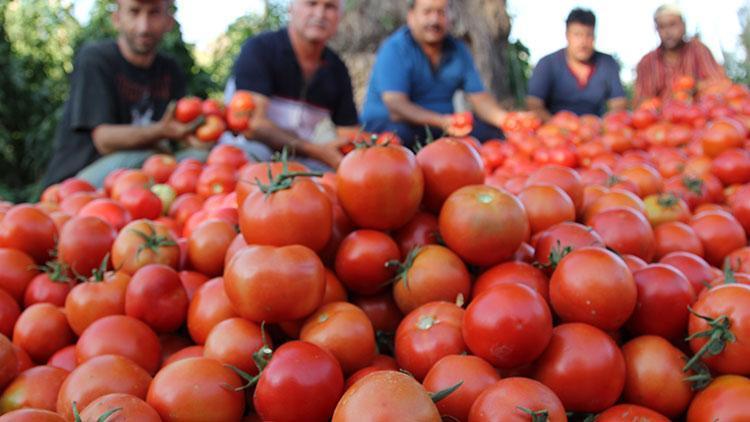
170	128
327	153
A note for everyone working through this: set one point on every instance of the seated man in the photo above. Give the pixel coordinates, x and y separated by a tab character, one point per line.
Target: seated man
576	78
120	89
675	57
296	82
417	71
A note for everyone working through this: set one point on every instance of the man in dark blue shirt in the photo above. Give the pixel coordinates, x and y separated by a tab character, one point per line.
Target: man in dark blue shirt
576	78
296	82
417	71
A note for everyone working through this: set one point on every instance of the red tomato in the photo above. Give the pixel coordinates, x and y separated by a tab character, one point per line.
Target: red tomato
265	283
18	271
191	281
483	225
233	342
345	331
380	363
675	236
65	358
209	306
630	412
42	330
143	242
583	366
188	109
84	244
155	296
594	286
108	210
227	155
208	244
197	389
430	273
512	400
302	381
96	298
626	232
426	335
551	245
721	135
141	203
159	167
654	376
447	165
128	407
732	166
512	272
212	129
36	388
509	325
695	268
9	312
29	230
419	231
475	374
563	177
386	396
186	353
382	311
362	258
184	179
380	187
121	335
546	205
720	234
725	399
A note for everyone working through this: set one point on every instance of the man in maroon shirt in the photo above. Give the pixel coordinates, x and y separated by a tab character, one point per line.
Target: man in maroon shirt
677	56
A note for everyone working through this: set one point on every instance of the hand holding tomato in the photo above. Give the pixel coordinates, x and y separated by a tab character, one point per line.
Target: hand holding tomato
461	124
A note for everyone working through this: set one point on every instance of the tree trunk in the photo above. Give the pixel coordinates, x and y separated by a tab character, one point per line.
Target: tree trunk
483	24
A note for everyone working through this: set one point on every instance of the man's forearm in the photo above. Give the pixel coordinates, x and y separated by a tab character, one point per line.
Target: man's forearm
536	106
265	131
488	109
110	138
406	111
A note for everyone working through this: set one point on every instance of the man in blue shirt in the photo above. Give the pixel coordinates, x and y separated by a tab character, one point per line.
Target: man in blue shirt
576	78
417	71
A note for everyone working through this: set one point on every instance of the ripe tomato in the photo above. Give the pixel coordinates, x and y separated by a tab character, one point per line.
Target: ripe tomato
65	358
208	244
29	230
553	244
184	179
379	363
233	342
251	173
345	331
141	203
128	407
197	389
740	206
186	353
475	374
9	312
721	135
654	376
386	396
725	399
155	296
615	198
732	166
594	286
191	281
508	325
211	130
239	111
382	311
583	366
546	205
624	412
42	330
645	177
695	268
511	399
84	243
626	232
96	298
361	260
380	187
483	225
100	376
36	388
675	236
108	210
265	283
301	214
419	231
720	234
512	272
427	334
143	242
301	382
36	415
447	165
729	305
430	273
562	177
209	306
159	167
188	109
121	335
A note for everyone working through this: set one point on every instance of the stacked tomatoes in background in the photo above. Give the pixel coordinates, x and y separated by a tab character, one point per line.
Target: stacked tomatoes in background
471	282
212	118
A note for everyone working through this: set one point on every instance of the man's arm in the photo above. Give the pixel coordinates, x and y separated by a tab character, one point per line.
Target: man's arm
401	109
487	108
264	130
536	106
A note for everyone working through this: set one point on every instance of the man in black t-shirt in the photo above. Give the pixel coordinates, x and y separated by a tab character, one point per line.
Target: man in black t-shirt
297	82
120	89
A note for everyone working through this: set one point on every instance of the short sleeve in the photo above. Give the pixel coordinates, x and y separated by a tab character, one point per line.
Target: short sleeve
252	70
345	113
540	83
472	81
613	80
391	69
93	95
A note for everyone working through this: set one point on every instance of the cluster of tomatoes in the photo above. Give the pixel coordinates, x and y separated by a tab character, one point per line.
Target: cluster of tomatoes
467	282
212	119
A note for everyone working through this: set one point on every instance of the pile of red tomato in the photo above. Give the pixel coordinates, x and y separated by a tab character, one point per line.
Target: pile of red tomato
464	282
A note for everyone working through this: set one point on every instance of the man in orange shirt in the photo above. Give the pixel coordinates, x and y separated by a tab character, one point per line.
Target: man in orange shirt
676	57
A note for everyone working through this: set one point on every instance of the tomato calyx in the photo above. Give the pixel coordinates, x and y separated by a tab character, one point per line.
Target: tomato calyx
729	272
152	241
536	415
667	200
102	418
57	271
718	335
613	180
261	358
702	376
439	395
556	254
402	269
97	274
283	180
693	184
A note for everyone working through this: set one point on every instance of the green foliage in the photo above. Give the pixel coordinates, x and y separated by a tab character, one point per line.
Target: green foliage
738	69
519	70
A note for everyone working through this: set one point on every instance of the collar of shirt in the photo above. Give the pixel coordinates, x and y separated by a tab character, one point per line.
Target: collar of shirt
449	46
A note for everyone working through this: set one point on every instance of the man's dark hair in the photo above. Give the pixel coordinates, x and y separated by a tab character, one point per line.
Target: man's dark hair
581	16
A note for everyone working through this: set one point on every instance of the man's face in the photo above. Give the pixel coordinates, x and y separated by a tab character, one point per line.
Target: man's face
315	20
428	21
142	23
580	41
671	29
